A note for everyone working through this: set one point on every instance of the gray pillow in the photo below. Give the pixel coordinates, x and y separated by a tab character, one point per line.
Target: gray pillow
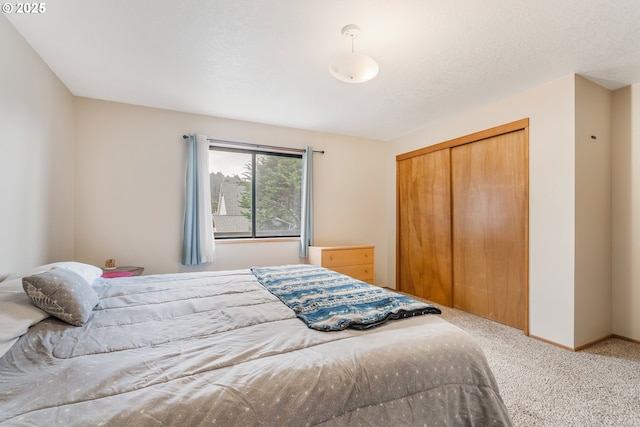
63	294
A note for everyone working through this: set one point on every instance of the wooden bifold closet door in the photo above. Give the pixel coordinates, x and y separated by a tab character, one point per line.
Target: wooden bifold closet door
489	189
462	223
424	226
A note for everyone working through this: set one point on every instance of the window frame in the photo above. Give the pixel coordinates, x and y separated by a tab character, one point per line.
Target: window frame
253	152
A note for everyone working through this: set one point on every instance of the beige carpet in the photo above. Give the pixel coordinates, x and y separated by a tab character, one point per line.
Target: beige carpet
543	385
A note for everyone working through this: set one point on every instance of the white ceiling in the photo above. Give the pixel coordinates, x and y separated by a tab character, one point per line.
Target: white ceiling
266	60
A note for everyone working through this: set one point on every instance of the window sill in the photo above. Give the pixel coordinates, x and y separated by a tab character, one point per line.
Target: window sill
252	240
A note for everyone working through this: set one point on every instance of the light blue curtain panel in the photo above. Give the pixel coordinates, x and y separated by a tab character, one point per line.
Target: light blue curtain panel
306	217
198	245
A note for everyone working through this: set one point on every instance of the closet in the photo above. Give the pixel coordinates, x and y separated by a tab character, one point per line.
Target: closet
462	223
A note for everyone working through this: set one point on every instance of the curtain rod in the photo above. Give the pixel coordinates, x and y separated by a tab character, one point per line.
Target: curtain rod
247	144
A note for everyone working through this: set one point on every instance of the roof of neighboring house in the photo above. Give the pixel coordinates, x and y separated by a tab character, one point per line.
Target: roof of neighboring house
231	223
231	191
229	219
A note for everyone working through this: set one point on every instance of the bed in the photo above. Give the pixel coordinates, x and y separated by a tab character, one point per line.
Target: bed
220	348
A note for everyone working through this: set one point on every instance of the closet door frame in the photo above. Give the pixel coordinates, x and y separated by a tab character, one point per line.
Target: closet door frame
519	125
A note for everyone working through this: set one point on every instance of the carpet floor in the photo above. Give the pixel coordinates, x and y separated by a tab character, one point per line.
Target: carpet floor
544	385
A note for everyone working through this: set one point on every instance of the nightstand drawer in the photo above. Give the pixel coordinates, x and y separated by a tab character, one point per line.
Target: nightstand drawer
340	257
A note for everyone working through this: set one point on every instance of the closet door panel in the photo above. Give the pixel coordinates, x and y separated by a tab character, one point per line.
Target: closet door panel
490	205
424	226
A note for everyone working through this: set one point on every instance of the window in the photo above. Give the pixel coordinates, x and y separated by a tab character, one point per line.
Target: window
255	194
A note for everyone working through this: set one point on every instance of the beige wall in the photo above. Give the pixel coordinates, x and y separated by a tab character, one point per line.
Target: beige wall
550	108
36	160
130	175
593	213
626	211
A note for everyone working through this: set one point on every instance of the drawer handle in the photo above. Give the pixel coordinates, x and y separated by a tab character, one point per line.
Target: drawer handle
331	257
366	270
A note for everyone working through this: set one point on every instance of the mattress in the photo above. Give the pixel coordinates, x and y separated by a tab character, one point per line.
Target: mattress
217	348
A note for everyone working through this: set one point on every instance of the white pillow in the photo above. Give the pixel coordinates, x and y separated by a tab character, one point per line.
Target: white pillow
89	272
17	313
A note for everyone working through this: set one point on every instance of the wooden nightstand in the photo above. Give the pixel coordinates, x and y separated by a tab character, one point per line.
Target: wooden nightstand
354	261
121	272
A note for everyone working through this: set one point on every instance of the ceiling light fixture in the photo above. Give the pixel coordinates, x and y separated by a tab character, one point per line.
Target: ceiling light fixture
353	67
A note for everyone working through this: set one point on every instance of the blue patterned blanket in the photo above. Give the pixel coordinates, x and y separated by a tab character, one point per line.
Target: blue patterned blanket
330	301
